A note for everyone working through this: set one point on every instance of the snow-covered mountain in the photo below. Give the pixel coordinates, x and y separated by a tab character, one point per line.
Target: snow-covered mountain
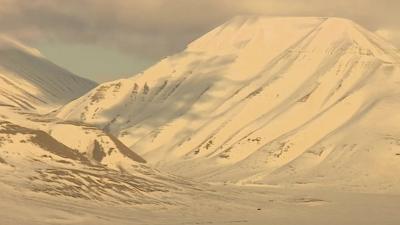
76	161
261	99
29	81
47	158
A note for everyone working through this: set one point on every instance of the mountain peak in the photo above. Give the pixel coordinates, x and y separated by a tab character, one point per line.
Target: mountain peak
252	97
254	19
241	30
275	34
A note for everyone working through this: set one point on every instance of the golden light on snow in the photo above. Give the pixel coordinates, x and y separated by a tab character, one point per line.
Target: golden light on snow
261	120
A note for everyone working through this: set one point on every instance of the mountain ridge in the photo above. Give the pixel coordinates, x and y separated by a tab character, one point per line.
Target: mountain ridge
251	89
31	82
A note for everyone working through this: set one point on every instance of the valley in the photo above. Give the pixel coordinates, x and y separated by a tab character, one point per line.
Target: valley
249	124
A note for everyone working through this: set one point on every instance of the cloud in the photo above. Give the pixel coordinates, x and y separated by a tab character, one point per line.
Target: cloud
155	28
151	27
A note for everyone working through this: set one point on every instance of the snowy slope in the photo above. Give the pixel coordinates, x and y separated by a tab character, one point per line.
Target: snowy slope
263	99
74	161
29	81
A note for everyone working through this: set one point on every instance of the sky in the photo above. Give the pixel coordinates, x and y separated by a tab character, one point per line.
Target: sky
106	40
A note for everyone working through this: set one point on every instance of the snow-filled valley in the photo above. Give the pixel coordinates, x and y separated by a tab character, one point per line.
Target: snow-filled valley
263	120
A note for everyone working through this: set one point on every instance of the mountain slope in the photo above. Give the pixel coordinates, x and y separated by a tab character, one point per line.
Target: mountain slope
29	81
254	99
87	164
